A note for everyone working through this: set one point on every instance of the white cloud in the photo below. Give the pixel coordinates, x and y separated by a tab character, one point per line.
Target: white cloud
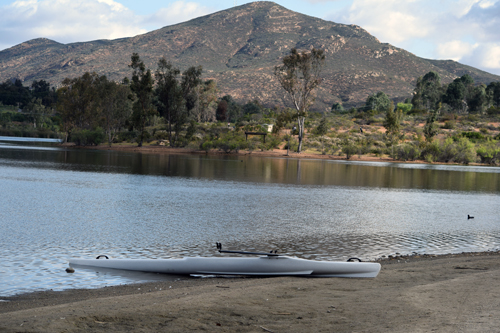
455	50
451	29
486	56
67	21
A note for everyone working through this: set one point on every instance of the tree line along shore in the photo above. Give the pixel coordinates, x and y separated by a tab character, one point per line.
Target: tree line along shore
457	122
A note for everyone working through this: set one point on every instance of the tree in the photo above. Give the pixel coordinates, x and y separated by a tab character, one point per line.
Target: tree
299	76
478	100
142	86
37	111
12	92
221	112
428	92
234	110
337	107
78	100
493	90
207	104
115	106
41	89
191	78
323	127
171	102
392	122
252	107
458	93
378	102
430	127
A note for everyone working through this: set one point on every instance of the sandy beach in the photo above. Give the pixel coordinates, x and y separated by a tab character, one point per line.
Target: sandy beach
448	293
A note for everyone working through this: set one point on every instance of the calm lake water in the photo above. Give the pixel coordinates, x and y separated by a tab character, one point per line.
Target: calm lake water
59	203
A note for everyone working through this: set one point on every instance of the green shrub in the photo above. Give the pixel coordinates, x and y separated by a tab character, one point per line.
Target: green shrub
450	124
88	137
489	154
349	150
206	145
474	136
407	152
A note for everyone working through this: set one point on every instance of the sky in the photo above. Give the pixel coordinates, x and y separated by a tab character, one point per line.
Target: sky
467	31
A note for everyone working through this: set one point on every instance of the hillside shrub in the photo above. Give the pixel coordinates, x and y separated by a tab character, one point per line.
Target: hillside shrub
407	152
489	154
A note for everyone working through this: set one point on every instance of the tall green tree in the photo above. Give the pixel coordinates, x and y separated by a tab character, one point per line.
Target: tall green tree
12	92
191	79
378	102
428	92
115	106
142	86
78	102
41	89
430	127
392	122
299	76
207	105
234	110
458	93
37	111
493	90
171	102
479	99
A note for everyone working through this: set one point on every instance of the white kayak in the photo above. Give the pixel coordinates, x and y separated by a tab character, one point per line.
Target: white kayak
257	266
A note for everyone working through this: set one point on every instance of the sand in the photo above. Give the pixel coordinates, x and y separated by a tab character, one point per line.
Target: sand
449	293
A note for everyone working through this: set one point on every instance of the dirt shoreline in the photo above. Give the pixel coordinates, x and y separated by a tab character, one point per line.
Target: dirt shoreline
447	293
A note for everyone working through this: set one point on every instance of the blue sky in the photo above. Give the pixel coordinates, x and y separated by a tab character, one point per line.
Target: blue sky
467	31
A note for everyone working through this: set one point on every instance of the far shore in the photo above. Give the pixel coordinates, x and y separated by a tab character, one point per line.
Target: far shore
427	293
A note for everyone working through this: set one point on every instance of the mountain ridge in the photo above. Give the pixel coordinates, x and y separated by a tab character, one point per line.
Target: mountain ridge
239	48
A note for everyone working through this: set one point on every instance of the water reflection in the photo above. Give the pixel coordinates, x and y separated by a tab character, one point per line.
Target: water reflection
262	170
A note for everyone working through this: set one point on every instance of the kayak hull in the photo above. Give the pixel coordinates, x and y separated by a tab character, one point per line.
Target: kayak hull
254	266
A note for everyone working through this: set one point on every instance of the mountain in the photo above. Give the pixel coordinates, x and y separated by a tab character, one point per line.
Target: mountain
239	48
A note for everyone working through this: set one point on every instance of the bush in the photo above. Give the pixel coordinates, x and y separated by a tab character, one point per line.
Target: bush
88	137
127	136
489	154
407	152
206	145
473	136
450	124
349	150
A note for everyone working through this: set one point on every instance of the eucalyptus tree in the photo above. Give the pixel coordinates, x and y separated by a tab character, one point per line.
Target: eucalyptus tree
479	99
428	92
299	76
115	106
191	79
142	86
378	102
207	101
458	93
170	100
77	102
493	90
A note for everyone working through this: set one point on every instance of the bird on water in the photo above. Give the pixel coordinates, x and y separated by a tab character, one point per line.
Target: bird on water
469	217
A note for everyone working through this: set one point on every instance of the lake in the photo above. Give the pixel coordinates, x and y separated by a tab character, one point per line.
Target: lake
58	203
